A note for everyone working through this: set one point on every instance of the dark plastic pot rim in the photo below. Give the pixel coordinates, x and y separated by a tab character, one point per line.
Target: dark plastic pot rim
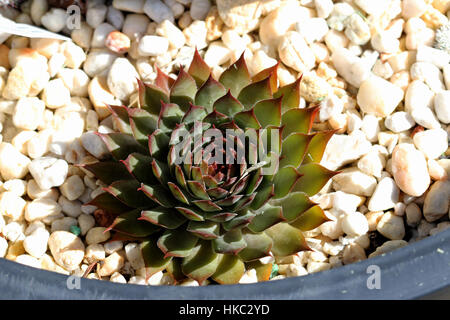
419	270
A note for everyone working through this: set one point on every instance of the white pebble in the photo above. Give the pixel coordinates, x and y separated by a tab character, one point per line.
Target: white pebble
391	226
158	11
442	106
13	164
153	46
48	171
67	249
399	121
385	196
432	142
97	235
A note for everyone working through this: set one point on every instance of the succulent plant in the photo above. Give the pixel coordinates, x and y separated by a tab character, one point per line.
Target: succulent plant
187	181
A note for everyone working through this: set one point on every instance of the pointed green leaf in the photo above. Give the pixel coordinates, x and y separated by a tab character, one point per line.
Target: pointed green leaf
174	270
158	194
164	217
286	239
150	97
161	171
178	193
121	122
298	120
270	72
268	112
284	180
129	224
310	219
263	195
247	119
121	145
294	204
317	146
228	105
239	221
110	204
177	243
108	171
207	205
219	217
142	124
139	166
314	177
294	148
266	217
290	94
201	263
230	270
255	92
153	258
163	81
194	113
198	69
127	192
230	242
183	90
208	93
205	229
258	246
236	76
263	271
198	189
169	117
191	213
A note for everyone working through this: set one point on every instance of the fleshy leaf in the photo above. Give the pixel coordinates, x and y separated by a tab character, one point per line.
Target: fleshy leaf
268	112
266	217
170	115
230	242
178	193
127	192
228	105
194	113
163	81
255	92
310	219
297	120
158	194
285	180
236	76
154	259
258	246
142	124
247	119
201	263
205	230
177	243
314	177
294	149
110	204
230	270
268	72
207	205
286	239
174	270
239	221
121	145
164	217
138	165
198	69
198	189
294	204
291	95
158	143
120	118
191	214
161	171
183	90
263	271
108	171
209	92
150	97
262	196
129	224
317	146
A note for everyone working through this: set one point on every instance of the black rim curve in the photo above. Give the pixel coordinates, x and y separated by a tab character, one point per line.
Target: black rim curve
419	270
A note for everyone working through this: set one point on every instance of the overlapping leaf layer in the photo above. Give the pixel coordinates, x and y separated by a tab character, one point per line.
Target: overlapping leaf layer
216	212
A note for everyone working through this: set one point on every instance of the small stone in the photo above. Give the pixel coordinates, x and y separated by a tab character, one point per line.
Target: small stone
94	145
432	143
55	94
94	253
12	205
426	118
413	8
75	80
343	149
28	261
437	57
117	278
86	222
339	14
217	54
391	226
353	253
135	26
323	8
357	30
16	186
3	247
134	255
195	35
314	88
96	14
129	5
385	42
378	96
101	34
54	20
117	42
295	53
354	181
372	163
355	224
399	121
153	46
122	79
115	17
36	243
387	247
67	249
437	201
331	229
371	127
158	11
442	106
48	171
200	8
385	196
171	32
113	263
13	164
113	246
70	208
313	29
350	67
72	188
39	209
82	36
74	54
97	235
413	214
428	73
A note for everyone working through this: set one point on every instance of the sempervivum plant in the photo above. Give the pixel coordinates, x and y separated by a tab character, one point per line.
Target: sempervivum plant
211	176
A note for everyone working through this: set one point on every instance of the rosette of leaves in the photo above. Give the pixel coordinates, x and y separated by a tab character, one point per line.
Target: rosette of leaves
205	219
